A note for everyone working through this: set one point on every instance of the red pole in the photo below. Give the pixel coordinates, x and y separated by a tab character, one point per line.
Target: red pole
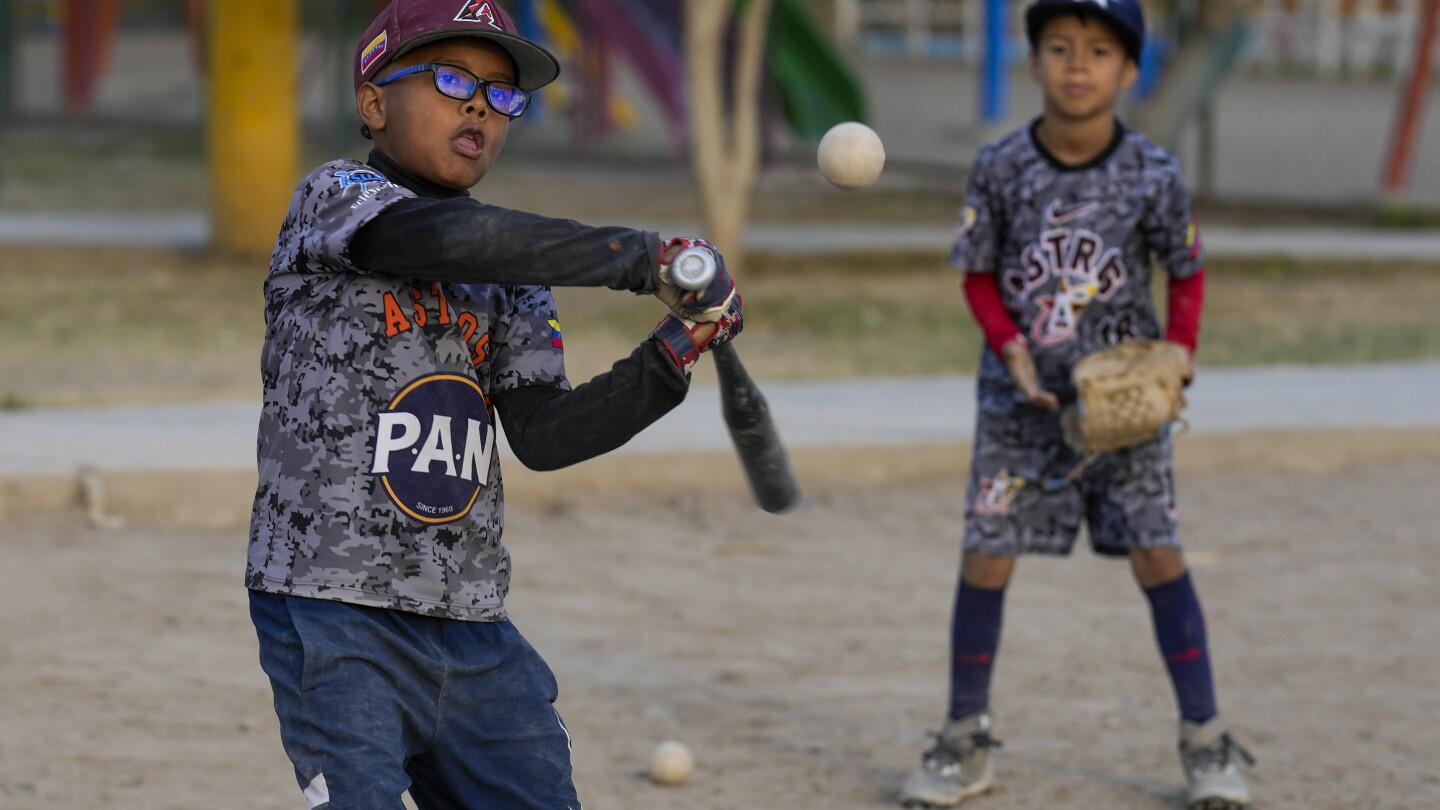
195	26
89	31
1407	122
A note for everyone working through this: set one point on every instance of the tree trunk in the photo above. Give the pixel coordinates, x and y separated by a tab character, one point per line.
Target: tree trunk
725	153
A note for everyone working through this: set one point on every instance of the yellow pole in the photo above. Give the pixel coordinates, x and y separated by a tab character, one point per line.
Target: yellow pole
252	128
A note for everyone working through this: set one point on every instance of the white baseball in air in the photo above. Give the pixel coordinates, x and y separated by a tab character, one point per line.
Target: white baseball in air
671	763
851	155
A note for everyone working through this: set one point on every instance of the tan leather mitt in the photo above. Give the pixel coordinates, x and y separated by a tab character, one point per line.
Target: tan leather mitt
1126	394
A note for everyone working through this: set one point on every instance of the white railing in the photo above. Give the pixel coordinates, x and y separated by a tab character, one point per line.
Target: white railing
1330	38
948	29
1319	38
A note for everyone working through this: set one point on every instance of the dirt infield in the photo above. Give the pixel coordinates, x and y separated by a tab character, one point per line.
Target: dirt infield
801	657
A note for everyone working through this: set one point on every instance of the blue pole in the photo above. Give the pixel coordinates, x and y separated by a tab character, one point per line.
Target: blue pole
1151	62
993	90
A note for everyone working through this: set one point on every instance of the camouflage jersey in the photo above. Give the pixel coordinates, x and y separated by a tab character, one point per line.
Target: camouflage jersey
1072	246
379	472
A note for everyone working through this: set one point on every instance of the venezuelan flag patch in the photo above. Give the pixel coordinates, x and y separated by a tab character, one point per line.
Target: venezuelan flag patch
373	52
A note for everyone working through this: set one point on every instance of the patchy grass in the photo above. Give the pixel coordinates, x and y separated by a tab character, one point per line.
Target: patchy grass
903	315
101	169
1266	312
132	326
106	326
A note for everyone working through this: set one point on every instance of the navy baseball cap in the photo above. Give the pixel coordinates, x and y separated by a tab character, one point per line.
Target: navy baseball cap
405	25
1125	16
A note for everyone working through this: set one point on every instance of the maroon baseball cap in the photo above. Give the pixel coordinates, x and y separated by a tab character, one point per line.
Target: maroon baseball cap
405	25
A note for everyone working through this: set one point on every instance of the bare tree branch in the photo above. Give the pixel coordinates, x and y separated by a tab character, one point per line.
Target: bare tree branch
724	167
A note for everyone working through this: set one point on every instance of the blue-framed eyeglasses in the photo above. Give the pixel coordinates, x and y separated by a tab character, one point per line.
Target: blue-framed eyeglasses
461	85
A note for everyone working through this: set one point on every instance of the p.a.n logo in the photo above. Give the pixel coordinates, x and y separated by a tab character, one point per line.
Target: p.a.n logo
478	11
434	446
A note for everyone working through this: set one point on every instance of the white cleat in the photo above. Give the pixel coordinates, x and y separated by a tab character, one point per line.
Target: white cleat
1208	753
956	768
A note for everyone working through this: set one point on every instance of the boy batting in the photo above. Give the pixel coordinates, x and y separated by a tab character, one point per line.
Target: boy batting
1056	238
404	319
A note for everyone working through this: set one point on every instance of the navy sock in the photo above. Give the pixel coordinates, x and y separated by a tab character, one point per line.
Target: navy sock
1180	630
974	638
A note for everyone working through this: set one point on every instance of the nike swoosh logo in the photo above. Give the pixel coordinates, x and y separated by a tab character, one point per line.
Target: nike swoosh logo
1057	214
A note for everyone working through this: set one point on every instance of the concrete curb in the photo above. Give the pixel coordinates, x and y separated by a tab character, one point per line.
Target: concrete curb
194	464
900	411
219	499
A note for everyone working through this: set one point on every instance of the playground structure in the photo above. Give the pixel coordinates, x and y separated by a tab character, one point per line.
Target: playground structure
810	81
626	73
245	49
810	86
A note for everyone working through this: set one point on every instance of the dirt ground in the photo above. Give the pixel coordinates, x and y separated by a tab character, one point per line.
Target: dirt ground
801	657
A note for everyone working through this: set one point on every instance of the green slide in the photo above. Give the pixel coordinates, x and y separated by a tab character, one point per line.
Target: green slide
815	85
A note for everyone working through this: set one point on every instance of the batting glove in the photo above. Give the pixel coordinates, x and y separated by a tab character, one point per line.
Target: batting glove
707	305
685	340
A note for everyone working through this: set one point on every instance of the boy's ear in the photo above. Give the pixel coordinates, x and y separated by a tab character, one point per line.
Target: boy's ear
370	103
1131	73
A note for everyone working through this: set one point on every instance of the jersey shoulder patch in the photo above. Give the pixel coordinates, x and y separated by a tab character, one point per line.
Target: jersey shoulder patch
1154	158
351	178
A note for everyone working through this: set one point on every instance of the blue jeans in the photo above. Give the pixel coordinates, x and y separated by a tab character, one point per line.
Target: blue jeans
375	702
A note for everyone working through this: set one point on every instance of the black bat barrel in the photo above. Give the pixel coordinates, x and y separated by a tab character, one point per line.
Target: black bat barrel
757	443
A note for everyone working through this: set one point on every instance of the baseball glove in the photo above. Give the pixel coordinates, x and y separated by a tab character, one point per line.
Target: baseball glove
1126	395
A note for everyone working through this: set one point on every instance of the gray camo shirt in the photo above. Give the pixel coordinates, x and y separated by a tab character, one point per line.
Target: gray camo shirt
1072	247
379	477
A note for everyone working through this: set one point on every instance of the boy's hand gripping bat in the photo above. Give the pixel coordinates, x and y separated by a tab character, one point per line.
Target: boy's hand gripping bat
746	413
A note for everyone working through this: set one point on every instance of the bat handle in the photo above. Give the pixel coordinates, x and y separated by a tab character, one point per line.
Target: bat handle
691	269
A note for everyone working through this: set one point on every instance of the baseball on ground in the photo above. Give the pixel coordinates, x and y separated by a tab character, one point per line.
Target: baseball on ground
851	155
671	763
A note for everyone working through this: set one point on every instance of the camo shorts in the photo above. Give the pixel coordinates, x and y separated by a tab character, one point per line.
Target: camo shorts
1019	502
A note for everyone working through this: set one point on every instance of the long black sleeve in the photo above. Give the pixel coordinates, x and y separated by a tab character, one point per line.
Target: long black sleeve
464	241
549	428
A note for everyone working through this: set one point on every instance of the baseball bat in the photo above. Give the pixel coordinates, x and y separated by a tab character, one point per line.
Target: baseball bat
746	413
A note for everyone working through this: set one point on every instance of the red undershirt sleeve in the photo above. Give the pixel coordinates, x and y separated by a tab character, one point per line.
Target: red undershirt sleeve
982	292
1186	296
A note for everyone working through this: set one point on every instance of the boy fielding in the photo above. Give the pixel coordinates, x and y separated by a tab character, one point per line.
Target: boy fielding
402	318
1061	219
